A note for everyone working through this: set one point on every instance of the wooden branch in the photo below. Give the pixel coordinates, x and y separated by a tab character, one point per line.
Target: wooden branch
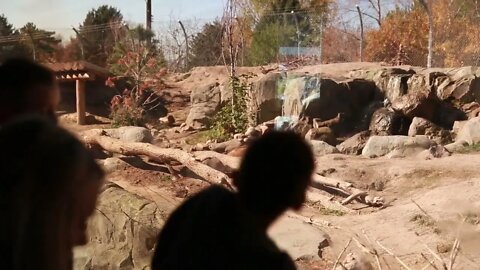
454	253
395	256
156	153
341	254
436	256
345	189
423	210
229	161
313	195
429	263
331	182
373	250
354	197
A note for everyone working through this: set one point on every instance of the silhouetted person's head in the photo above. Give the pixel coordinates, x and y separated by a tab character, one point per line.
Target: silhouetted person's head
48	188
27	88
275	173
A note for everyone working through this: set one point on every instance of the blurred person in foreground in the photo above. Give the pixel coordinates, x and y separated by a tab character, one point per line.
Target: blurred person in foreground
27	88
222	229
48	188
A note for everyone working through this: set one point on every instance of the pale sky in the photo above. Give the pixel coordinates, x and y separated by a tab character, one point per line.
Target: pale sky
60	15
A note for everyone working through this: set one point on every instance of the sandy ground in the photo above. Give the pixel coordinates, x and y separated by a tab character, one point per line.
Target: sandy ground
445	188
445	191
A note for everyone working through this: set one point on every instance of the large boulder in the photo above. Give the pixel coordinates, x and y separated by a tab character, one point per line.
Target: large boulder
355	144
324	99
436	151
378	146
421	126
122	232
461	84
266	97
385	122
205	103
416	104
457	147
324	134
321	148
470	132
457	126
392	82
114	164
293	96
131	134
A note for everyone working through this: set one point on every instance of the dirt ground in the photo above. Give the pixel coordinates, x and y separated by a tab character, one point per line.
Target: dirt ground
446	189
433	203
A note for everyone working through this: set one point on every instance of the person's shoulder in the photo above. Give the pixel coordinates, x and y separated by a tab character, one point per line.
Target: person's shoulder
272	260
214	192
211	197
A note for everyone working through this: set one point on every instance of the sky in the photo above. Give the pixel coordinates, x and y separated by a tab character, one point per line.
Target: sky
61	15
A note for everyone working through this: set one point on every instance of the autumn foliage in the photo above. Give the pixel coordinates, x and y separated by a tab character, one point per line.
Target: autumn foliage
405	33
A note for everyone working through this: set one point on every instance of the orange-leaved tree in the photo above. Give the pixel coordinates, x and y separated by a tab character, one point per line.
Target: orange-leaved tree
403	36
403	32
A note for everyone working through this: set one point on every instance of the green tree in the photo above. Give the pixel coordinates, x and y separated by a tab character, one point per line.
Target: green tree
41	44
207	47
10	45
98	34
283	24
267	40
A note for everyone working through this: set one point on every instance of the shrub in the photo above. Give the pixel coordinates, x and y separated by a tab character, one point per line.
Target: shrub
234	115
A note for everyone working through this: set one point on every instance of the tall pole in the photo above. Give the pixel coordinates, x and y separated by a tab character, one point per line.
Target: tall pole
186	45
362	37
428	9
298	34
34	51
148	23
322	28
80	38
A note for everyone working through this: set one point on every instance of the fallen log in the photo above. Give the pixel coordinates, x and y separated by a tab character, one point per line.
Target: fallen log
329	185
314	196
346	190
326	184
229	161
331	182
208	174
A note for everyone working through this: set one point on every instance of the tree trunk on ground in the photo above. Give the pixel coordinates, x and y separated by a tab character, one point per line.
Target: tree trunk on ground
345	189
229	161
160	154
330	185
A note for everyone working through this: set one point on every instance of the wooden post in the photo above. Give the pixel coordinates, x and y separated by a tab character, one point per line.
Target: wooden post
81	102
362	36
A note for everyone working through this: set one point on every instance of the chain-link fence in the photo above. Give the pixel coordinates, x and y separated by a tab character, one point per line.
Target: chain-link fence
398	37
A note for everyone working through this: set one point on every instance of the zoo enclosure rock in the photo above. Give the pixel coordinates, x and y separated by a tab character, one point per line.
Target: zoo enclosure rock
355	144
324	98
122	232
470	132
265	98
421	126
131	134
378	146
206	102
385	122
321	148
